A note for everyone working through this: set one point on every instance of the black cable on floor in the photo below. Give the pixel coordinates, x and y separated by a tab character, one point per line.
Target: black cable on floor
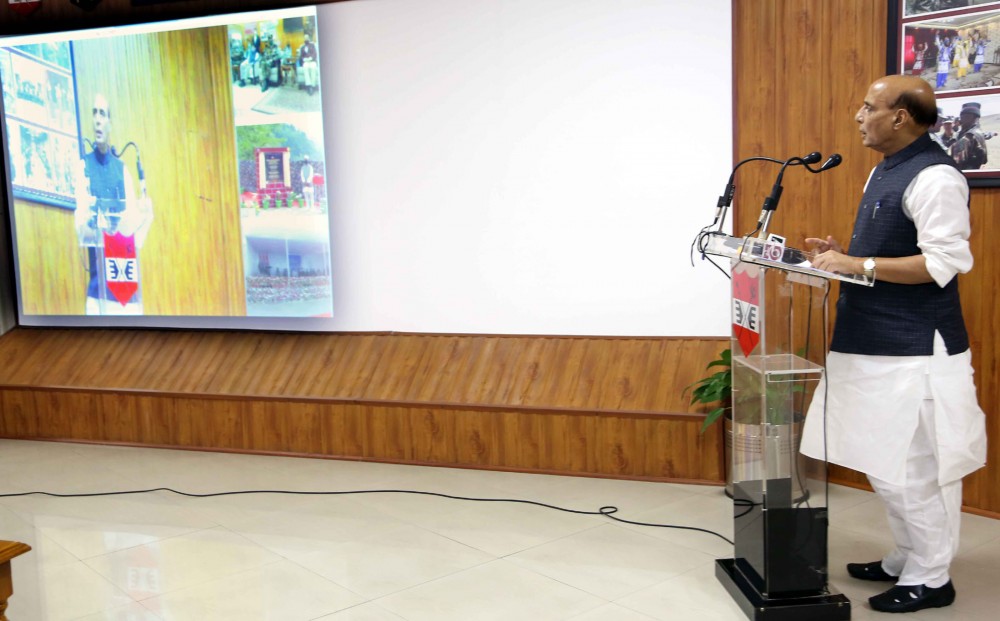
607	511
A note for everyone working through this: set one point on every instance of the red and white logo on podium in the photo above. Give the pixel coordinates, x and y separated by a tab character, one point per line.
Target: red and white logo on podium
746	310
121	267
24	7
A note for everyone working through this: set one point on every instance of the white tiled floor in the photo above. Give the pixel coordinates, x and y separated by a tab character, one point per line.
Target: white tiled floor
392	557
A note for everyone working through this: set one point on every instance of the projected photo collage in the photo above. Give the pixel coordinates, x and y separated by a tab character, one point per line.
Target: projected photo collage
279	143
173	170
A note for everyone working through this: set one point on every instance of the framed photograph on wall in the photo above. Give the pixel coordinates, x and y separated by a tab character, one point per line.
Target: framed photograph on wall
955	46
41	122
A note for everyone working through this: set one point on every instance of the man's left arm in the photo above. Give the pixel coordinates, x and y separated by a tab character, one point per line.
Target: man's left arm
937	202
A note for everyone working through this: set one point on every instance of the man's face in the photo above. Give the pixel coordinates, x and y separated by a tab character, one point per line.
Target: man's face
968	119
948	129
102	122
876	119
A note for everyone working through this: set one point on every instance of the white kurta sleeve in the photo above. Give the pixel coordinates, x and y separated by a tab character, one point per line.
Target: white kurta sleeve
937	200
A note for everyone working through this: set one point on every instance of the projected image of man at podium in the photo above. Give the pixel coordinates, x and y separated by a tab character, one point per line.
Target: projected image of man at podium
109	212
900	404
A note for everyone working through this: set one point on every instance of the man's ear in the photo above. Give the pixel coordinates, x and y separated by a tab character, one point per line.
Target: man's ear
901	116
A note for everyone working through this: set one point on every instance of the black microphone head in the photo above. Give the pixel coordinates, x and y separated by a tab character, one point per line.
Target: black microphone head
832	162
812	158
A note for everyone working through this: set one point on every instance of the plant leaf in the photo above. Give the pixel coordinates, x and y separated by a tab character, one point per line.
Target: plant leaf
711	417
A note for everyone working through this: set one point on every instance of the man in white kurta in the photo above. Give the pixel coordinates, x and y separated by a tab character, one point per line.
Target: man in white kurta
910	420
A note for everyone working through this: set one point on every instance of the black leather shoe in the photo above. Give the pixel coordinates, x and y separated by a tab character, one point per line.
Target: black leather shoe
913	598
870	571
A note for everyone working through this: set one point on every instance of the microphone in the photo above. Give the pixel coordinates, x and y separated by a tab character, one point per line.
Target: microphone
726	199
831	162
142	173
771	202
812	158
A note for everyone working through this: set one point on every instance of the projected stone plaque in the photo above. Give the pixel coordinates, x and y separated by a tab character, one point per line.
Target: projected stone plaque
273	169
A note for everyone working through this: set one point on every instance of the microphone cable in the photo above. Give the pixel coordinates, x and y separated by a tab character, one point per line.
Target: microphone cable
607	511
700	243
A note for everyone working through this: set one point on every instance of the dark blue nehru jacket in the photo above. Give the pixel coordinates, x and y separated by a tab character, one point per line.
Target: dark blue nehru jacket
892	319
106	176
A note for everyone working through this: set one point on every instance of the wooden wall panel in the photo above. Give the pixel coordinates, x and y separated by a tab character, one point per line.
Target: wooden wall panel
608	406
618	445
46	237
600	374
801	70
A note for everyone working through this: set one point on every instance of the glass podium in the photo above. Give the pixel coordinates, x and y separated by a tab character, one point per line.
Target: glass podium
112	260
779	343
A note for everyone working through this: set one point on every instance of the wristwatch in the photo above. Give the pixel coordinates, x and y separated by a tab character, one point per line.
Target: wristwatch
869	267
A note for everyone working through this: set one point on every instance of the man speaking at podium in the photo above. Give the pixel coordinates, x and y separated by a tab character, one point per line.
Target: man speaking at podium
108	211
900	403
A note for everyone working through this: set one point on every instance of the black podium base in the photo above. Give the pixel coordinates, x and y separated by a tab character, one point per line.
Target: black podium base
828	607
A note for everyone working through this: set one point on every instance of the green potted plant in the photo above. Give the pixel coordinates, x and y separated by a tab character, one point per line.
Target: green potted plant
783	398
716	389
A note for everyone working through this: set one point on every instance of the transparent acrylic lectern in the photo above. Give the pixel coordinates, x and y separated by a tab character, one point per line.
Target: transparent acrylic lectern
779	315
112	259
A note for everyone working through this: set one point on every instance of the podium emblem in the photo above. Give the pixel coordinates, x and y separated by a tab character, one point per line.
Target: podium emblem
746	310
24	7
121	267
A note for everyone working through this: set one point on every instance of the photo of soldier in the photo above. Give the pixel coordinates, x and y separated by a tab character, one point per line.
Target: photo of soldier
948	136
974	125
969	149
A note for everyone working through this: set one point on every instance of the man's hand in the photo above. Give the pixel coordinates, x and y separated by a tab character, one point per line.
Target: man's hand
838	262
823	245
85	219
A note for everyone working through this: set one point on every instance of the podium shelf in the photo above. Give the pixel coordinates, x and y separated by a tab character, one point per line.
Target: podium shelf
781	367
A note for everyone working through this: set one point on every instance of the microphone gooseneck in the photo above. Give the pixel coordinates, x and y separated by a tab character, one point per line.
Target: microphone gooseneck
726	199
771	202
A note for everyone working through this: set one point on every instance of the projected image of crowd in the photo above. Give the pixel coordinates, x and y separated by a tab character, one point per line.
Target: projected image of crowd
281	289
288	279
280	56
